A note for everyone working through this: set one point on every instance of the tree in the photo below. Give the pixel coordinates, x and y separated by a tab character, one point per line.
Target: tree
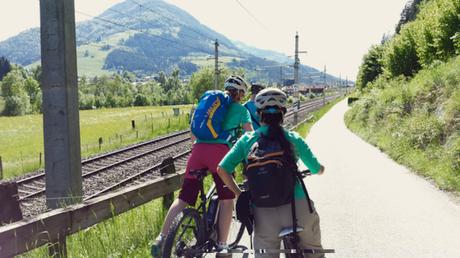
371	67
17	101
408	14
33	89
203	80
5	67
400	55
37	73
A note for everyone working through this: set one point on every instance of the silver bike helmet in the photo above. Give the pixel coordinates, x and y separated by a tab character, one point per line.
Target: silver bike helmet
236	82
271	97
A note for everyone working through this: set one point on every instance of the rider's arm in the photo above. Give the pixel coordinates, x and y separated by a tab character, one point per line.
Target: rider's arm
246	120
192	137
230	161
247	127
229	181
305	154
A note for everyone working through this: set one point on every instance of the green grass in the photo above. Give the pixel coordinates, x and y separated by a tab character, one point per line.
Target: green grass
91	58
416	122
21	138
127	235
304	128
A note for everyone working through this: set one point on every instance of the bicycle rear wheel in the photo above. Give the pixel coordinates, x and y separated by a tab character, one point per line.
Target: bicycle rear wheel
288	243
186	232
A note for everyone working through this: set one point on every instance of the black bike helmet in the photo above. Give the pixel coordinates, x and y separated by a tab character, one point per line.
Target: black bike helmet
256	87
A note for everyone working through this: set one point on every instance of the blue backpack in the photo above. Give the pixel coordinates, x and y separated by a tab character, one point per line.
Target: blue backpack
209	115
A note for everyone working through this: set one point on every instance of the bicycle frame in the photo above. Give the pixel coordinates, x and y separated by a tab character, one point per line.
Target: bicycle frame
203	207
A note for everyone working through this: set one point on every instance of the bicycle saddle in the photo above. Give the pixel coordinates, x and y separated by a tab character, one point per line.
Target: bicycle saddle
286	231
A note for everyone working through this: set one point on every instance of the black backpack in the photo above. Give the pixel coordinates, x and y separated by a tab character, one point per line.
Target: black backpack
271	178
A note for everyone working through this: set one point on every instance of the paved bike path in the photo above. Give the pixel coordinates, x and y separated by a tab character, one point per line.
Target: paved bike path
370	206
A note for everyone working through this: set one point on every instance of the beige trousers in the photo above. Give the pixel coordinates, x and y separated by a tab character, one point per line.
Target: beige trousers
270	221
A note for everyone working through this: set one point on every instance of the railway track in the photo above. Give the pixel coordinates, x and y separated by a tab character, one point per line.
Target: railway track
131	165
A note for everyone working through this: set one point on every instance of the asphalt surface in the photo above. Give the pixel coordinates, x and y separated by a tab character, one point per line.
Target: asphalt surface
370	206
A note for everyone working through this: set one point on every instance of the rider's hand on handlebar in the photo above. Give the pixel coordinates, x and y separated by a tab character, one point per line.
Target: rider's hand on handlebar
321	170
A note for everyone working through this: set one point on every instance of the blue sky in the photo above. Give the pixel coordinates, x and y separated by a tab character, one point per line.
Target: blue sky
336	33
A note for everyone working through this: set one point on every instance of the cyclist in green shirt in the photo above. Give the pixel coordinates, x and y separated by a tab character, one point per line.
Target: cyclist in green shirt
268	222
208	154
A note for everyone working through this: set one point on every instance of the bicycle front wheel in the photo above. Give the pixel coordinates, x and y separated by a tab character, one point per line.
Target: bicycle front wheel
185	233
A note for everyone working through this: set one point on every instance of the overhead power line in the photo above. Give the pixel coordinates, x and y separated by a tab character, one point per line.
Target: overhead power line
148	35
250	14
129	15
171	19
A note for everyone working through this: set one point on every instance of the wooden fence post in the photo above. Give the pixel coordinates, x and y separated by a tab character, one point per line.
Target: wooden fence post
40	160
100	143
167	167
9	198
1	168
133	124
57	248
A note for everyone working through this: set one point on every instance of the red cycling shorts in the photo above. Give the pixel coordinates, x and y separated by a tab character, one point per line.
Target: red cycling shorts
204	155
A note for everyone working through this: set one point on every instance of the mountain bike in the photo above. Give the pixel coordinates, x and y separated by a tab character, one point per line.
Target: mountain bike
290	239
194	231
288	236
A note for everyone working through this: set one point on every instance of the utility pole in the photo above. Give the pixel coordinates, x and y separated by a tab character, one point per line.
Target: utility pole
346	84
296	59
216	65
296	75
281	76
60	109
325	79
324	86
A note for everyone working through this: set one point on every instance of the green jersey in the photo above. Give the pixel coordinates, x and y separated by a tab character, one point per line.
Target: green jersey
240	152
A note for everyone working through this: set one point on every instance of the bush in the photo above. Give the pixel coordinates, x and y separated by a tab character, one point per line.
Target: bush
17	105
422	130
141	100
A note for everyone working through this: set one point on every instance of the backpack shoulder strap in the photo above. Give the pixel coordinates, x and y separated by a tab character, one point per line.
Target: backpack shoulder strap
299	177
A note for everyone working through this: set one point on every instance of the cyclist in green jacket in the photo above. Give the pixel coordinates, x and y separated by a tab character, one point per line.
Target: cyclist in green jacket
268	222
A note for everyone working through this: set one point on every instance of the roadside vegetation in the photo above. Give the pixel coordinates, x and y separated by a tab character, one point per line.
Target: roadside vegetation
409	94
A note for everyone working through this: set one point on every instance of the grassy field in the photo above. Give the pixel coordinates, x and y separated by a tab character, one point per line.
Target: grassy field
21	138
132	233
